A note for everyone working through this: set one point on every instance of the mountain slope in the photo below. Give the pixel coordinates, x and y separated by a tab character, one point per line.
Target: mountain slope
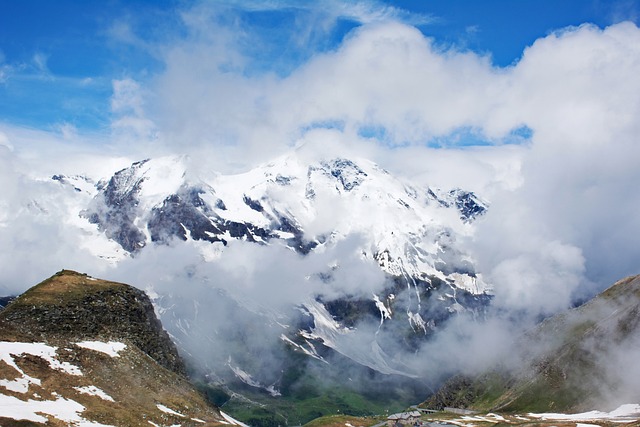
81	351
575	361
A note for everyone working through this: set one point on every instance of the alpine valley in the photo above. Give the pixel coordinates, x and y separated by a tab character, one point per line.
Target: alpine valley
308	284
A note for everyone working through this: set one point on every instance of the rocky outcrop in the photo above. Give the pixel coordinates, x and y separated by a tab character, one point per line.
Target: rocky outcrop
75	350
75	306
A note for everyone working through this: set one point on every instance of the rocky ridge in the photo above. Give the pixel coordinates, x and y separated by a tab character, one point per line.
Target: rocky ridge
82	351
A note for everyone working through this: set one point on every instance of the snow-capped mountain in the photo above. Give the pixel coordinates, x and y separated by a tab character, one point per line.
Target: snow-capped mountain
335	208
304	206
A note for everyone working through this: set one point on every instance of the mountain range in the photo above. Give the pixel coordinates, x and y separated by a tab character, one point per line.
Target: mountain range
306	206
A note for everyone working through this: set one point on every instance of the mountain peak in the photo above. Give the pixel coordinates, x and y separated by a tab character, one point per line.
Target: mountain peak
76	306
83	351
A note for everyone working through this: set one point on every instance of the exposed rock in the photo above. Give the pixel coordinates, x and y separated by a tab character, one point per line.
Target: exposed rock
75	350
75	306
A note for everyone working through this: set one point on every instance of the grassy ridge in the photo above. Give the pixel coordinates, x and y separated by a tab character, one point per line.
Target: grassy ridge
565	361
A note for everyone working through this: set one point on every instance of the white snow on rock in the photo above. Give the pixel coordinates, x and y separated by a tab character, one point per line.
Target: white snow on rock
404	227
10	350
309	352
34	410
94	391
246	378
385	312
111	348
169	411
333	335
232	421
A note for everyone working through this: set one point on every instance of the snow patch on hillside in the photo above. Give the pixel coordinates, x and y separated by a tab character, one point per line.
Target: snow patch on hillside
10	350
111	348
625	413
92	390
62	409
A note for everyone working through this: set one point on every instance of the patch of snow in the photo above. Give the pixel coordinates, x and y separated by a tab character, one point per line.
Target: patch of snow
416	321
67	411
92	390
232	420
169	411
337	337
246	378
489	418
474	285
311	352
624	413
273	391
496	417
19	385
9	350
283	234
325	326
111	348
385	313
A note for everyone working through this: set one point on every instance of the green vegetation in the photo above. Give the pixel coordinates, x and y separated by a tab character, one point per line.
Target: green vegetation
342	420
260	410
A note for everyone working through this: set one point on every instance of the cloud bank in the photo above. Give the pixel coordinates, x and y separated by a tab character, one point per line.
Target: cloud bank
561	197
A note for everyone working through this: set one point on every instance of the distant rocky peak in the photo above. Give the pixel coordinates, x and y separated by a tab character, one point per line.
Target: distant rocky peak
125	183
467	203
283	202
349	174
79	183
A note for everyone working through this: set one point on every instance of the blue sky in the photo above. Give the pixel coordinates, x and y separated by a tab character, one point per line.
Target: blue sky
58	60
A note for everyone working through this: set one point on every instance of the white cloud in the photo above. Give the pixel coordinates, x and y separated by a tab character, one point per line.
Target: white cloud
130	123
40	62
576	90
